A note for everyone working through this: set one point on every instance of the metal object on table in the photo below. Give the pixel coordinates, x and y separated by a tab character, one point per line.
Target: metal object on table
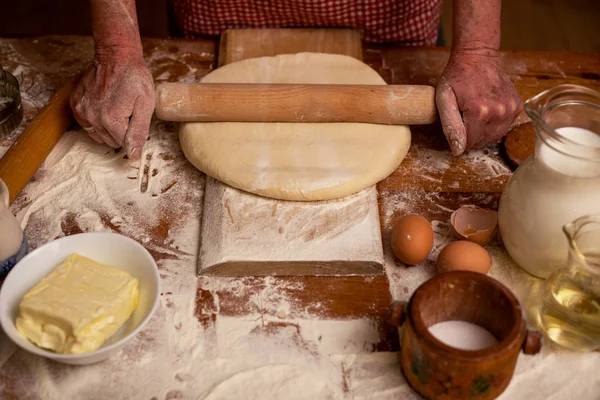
11	111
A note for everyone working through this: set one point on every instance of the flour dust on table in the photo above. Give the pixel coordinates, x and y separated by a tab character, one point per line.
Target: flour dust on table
84	186
189	352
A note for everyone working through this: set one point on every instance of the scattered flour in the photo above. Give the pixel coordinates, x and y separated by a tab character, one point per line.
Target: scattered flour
486	161
273	349
270	348
265	347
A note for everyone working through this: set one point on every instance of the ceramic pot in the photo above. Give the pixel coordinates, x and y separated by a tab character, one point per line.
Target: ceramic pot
438	371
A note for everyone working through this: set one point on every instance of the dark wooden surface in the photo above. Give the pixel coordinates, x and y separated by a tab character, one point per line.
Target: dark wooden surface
428	188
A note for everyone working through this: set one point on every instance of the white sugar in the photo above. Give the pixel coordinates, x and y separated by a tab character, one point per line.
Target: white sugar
463	335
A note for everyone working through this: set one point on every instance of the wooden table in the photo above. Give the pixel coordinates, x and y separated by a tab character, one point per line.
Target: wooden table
429	182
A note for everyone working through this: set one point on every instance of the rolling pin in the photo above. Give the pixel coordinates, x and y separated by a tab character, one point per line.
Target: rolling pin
243	102
32	147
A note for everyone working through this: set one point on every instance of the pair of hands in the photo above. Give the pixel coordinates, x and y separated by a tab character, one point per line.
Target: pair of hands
476	101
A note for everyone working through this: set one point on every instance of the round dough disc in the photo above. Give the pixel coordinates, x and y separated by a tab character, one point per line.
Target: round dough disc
296	161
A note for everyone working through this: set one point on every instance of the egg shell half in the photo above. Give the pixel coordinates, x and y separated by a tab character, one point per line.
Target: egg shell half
474	223
412	239
464	255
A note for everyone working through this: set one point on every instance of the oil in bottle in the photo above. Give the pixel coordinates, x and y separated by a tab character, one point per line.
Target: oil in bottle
570	312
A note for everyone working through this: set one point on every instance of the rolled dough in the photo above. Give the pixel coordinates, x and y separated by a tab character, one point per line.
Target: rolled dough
296	161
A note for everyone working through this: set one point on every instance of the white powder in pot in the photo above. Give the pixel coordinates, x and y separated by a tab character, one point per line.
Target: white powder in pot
463	335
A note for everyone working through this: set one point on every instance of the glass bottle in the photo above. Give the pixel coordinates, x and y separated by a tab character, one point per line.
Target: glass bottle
570	311
559	183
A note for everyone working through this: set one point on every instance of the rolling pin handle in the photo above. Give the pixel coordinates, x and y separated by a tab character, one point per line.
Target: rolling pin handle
397	313
532	343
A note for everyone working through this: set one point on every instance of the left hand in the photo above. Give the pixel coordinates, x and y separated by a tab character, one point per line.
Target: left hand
474	84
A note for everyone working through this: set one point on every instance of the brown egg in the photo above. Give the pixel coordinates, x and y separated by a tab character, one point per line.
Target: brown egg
464	256
412	239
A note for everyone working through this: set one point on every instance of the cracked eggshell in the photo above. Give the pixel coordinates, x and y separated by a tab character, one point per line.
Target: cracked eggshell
474	223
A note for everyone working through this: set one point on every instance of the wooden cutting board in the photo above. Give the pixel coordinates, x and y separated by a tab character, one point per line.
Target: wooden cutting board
240	44
247	235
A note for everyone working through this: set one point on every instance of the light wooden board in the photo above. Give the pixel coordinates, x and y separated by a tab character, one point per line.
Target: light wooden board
247	235
240	44
244	234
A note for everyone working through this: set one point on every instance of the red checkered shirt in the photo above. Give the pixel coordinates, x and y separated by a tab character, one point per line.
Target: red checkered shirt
412	22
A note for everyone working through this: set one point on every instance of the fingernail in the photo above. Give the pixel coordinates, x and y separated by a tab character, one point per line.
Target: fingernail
136	153
455	147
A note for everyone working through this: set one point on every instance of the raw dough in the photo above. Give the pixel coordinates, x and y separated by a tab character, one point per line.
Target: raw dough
296	161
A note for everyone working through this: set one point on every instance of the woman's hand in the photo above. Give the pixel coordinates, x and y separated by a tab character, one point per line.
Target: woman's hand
114	99
114	102
477	102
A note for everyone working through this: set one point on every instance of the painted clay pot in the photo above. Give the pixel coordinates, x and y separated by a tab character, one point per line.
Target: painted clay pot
438	371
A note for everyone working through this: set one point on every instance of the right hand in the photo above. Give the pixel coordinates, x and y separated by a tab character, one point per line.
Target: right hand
477	102
114	102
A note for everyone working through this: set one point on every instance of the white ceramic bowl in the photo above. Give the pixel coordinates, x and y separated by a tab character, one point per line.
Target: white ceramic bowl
105	247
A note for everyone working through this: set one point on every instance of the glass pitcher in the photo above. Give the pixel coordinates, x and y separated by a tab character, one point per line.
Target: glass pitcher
570	312
556	185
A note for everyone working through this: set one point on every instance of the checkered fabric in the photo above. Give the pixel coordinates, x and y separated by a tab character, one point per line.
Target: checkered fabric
412	22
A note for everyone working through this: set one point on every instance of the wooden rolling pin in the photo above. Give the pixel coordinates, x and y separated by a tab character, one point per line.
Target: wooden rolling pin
238	102
25	156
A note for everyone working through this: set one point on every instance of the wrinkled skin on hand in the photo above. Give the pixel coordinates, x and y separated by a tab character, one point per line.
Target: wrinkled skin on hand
474	84
114	102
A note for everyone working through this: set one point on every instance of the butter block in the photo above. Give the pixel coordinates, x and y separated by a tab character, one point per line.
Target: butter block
78	306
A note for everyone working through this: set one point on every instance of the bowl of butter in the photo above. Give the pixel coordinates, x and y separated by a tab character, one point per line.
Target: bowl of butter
80	299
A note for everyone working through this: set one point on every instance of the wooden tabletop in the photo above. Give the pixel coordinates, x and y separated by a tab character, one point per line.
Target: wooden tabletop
429	181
